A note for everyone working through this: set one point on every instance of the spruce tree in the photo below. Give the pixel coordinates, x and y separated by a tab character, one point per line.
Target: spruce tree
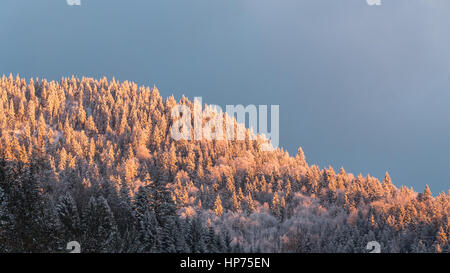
6	224
69	218
100	230
218	209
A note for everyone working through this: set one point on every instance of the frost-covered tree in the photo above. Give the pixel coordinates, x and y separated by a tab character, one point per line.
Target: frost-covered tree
99	227
218	209
6	223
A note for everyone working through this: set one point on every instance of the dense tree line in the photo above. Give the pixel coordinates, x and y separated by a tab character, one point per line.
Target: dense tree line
93	161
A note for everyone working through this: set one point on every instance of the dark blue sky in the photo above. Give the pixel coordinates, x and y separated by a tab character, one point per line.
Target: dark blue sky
359	86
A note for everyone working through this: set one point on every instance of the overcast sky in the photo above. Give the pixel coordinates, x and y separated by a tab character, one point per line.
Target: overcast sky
359	86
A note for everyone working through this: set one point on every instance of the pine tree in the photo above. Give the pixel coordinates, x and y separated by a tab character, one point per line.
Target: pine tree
162	201
251	204
300	157
387	185
426	195
168	235
236	203
28	210
149	233
196	240
69	218
212	240
276	206
100	228
441	240
51	239
6	224
142	202
180	236
125	217
218	209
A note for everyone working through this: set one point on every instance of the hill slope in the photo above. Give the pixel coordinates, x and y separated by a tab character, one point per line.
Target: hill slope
93	161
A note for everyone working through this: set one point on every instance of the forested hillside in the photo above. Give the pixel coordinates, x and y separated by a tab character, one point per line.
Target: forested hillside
93	161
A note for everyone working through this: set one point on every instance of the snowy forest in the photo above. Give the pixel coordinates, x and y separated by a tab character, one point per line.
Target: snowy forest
93	161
